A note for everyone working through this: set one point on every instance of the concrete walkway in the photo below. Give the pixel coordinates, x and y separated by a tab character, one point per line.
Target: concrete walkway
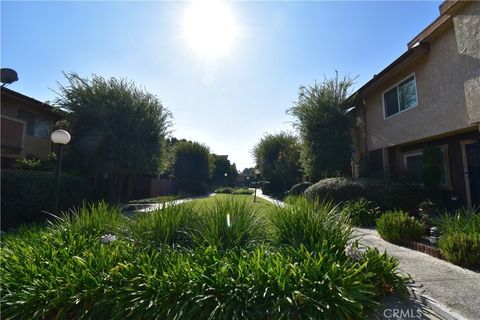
441	290
444	285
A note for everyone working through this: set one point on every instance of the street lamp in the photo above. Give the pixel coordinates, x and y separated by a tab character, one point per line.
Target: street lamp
257	172
59	137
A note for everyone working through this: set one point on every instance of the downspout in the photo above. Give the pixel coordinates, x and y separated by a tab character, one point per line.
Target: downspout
365	124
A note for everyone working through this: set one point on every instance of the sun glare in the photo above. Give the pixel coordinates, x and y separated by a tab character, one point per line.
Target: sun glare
209	28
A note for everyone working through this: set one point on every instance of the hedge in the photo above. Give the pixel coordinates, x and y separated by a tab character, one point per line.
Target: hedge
192	187
386	194
25	194
299	188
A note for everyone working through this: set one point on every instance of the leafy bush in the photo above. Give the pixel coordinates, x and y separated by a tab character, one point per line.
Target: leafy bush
387	194
98	264
229	190
26	193
191	161
193	187
299	188
397	226
226	190
459	239
310	223
228	223
362	213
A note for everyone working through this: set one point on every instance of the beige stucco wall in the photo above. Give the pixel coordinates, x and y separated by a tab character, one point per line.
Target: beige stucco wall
32	145
443	76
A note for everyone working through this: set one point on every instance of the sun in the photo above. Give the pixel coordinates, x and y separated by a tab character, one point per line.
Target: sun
209	28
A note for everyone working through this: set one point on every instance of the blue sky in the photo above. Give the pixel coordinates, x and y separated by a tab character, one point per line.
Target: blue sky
227	103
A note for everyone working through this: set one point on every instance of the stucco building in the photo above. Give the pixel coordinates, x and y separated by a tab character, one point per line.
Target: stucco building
430	95
26	124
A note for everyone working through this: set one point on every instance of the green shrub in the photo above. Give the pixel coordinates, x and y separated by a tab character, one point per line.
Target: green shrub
229	190
398	226
226	190
310	223
386	194
170	225
191	161
66	270
228	223
299	188
459	239
25	194
362	213
192	187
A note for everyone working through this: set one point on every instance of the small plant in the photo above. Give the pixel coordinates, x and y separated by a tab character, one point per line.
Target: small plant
362	213
226	190
228	223
459	239
28	162
229	190
427	211
397	226
310	223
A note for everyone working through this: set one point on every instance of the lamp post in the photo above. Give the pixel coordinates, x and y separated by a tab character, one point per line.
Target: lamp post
257	172
59	137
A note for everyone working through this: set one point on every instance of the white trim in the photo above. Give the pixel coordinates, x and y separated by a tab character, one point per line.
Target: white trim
24	131
398	97
465	170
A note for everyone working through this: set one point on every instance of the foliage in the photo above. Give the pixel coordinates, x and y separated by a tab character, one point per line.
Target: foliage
66	270
310	224
299	188
192	187
219	166
277	157
398	226
191	161
386	194
117	129
229	223
170	225
431	169
362	213
459	239
25	194
324	127
229	190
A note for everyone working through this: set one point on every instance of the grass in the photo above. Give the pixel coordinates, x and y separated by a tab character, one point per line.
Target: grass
263	206
188	261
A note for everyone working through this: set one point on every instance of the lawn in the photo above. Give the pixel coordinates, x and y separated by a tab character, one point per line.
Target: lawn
224	257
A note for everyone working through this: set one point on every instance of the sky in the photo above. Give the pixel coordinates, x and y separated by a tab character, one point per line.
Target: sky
229	98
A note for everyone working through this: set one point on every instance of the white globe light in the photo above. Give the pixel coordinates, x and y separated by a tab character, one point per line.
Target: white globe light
60	136
257	171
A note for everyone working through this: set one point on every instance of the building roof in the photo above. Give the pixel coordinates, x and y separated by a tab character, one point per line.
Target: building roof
418	46
19	96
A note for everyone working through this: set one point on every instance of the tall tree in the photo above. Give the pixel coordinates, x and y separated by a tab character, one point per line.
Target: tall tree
191	161
324	127
117	128
277	157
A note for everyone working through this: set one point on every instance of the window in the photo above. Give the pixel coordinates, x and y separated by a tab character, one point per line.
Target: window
413	167
36	126
401	97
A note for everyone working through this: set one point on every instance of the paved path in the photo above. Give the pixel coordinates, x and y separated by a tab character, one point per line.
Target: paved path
455	288
448	291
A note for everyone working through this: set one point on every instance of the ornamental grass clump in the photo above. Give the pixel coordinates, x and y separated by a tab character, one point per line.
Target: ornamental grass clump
228	223
310	223
192	262
361	213
170	225
459	239
397	226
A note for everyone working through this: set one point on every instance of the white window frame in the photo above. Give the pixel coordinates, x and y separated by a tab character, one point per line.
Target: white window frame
444	149
398	97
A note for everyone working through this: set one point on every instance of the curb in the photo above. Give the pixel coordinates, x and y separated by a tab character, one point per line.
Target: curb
438	308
